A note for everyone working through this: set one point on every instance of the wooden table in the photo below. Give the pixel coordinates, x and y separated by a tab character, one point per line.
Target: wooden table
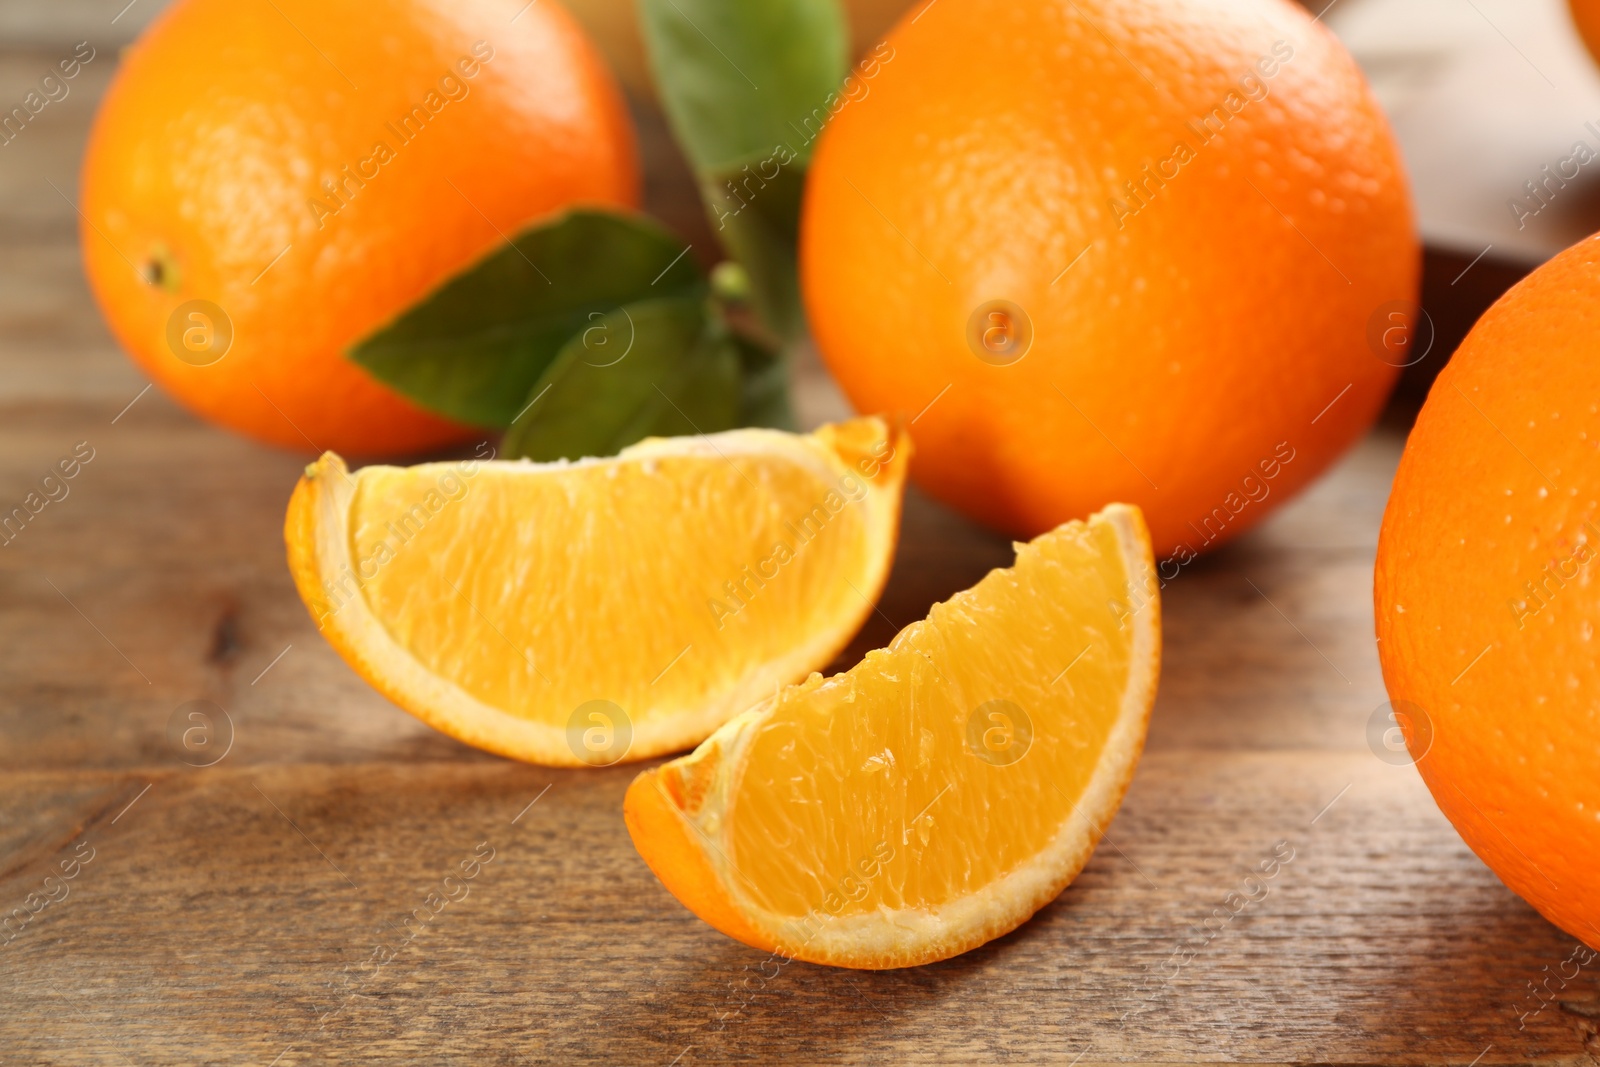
222	910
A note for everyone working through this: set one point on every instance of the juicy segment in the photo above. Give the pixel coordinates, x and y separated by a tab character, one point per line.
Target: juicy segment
578	577
939	793
681	581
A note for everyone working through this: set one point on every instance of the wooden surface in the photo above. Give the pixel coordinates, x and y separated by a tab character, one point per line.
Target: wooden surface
225	910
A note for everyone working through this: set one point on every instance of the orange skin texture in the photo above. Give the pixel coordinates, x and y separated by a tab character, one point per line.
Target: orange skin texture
217	133
1193	336
1501	479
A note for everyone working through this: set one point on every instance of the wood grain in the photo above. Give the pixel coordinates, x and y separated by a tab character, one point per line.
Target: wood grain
226	911
224	916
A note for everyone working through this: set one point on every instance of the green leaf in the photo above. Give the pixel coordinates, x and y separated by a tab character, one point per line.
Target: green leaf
748	86
739	77
655	368
474	348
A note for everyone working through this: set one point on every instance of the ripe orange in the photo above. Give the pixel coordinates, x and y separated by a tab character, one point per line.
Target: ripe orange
610	609
312	170
1113	251
1486	592
943	790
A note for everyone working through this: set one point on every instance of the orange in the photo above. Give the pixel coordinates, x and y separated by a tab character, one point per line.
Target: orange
942	791
1104	250
1486	592
310	170
609	609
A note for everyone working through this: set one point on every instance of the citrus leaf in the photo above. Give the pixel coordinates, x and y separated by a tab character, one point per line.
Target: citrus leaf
473	348
747	87
739	77
658	368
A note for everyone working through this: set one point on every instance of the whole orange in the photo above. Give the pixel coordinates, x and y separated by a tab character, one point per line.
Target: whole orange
1486	591
1107	250
311	169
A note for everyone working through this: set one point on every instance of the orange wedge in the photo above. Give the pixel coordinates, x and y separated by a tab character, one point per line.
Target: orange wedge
942	791
607	609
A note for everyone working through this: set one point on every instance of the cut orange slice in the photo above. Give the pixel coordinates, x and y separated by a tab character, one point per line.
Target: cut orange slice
943	790
607	609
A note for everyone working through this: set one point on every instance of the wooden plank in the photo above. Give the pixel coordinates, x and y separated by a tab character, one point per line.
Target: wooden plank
217	917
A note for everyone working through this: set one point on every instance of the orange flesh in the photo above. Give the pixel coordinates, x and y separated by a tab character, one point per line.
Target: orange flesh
943	790
573	546
878	760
